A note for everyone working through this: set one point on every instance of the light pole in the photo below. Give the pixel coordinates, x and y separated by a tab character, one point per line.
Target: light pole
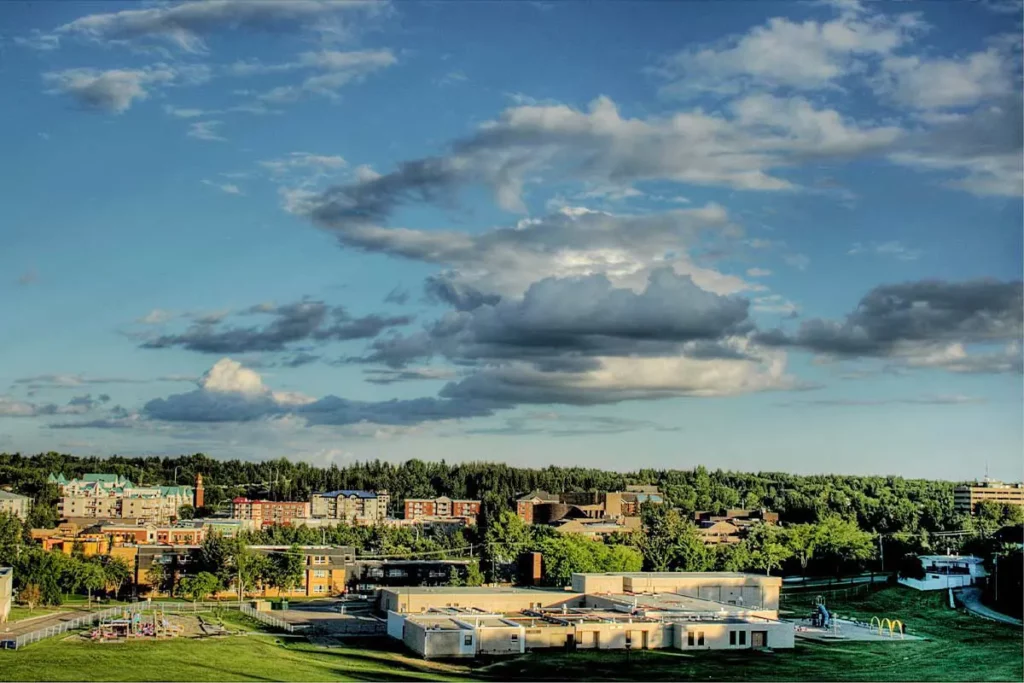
178	467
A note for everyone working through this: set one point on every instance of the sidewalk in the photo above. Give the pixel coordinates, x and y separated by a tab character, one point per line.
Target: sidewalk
970	598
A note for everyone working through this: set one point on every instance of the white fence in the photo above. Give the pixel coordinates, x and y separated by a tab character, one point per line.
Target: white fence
271	620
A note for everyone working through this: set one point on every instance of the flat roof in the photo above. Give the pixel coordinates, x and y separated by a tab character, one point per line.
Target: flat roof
676	575
472	590
673	602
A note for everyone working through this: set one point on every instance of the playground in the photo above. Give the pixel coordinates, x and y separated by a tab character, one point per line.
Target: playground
154	624
824	626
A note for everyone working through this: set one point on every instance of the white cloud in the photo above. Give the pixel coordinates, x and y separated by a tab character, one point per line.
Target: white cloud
893	249
206	130
804	55
157	316
304	161
185	24
226	188
939	83
758	272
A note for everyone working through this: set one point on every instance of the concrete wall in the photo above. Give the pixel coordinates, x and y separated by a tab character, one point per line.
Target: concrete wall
934	582
614	636
496	640
778	635
597	583
547	636
755	590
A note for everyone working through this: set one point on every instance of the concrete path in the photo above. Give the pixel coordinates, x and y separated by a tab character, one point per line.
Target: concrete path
13	629
970	598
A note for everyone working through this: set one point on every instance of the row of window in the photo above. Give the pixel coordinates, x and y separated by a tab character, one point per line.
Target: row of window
695	638
737	637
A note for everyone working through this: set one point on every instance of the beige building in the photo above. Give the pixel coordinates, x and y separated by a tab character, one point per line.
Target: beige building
967	497
15	504
6	592
110	496
354	507
695	611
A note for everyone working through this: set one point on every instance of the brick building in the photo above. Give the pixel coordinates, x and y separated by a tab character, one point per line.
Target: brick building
267	512
442	507
967	496
362	507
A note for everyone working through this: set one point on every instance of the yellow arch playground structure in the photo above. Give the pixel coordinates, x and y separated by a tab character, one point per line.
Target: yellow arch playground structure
894	625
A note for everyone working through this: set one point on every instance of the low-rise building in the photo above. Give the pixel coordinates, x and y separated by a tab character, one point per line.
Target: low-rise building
733	526
591	513
268	512
947	571
685	611
967	497
352	506
15	504
442	507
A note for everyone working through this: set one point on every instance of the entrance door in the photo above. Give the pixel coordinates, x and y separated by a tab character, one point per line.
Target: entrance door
758	638
570	641
644	640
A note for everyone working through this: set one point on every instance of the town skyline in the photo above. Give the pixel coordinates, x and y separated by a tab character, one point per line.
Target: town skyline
785	239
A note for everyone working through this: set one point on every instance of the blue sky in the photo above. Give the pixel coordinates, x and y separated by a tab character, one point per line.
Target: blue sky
760	236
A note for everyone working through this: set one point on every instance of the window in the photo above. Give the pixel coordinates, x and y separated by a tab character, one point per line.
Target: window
515	637
732	637
320	573
743	637
468	640
690	638
700	638
319	588
319	559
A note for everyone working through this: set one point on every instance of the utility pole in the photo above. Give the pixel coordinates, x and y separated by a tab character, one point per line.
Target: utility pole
881	551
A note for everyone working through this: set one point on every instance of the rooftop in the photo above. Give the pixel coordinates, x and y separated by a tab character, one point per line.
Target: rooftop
346	493
470	590
7	495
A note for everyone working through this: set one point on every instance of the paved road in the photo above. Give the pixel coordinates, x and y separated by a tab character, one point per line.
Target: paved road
14	629
971	599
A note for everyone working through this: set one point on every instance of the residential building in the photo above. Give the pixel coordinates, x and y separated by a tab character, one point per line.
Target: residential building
679	610
967	496
947	571
352	506
111	496
6	592
368	575
267	512
324	568
442	507
15	504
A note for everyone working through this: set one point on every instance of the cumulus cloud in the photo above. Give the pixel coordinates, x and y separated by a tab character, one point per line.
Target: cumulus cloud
229	392
226	188
60	381
782	53
305	320
186	24
948	82
923	324
78	405
392	376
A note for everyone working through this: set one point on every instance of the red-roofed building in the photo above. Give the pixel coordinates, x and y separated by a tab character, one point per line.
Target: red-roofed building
267	512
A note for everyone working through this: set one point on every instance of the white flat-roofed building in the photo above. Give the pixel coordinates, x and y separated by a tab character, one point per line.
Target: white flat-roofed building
947	571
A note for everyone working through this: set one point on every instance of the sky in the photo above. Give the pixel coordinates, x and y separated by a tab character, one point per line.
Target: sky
776	236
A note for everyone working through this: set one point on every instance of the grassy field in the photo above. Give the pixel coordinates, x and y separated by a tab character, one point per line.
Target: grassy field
956	647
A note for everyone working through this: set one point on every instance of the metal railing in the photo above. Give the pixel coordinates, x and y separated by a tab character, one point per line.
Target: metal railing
271	620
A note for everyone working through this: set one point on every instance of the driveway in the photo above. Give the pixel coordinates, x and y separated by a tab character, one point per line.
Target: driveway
970	598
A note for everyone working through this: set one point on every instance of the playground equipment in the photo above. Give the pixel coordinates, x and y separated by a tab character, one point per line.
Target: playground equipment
822	618
133	624
894	626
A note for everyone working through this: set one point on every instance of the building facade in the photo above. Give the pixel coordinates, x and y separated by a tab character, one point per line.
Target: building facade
967	497
352	506
442	507
111	496
6	592
15	504
268	512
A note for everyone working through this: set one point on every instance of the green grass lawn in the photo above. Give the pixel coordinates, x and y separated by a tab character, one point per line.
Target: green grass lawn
956	647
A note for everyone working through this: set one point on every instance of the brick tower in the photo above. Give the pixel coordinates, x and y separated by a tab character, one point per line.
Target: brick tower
198	501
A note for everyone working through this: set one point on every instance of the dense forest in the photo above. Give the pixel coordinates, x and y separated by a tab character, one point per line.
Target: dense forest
832	524
879	504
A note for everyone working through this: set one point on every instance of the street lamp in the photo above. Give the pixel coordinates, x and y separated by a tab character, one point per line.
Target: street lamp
176	474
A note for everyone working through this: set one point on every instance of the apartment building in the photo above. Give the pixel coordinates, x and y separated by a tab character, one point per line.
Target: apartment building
967	496
6	592
111	496
268	512
324	568
352	506
442	507
15	504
